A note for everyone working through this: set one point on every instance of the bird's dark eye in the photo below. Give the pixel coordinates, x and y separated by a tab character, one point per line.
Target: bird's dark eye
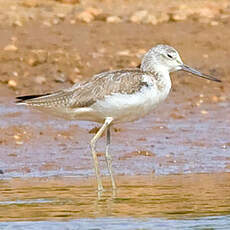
170	56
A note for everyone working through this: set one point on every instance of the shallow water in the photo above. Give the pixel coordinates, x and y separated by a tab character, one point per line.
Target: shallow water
194	201
220	222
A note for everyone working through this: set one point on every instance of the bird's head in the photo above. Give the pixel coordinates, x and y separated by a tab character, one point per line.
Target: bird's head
164	58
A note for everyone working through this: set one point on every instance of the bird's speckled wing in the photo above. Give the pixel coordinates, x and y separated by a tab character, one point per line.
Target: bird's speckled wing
85	94
126	81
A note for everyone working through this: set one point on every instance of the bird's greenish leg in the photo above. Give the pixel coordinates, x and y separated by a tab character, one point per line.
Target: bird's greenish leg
109	158
93	144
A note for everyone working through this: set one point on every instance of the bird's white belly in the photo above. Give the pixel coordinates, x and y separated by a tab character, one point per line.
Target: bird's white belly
129	107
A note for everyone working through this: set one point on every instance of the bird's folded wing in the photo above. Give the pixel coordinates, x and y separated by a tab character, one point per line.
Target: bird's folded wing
125	81
61	98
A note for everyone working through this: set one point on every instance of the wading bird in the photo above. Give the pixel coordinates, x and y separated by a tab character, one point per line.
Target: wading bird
116	96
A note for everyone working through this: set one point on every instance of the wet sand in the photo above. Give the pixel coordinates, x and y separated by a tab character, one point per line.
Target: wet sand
36	145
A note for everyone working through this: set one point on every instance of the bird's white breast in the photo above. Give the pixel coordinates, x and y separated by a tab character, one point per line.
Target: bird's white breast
129	107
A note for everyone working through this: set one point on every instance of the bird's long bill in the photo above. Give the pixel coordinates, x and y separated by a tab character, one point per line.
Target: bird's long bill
198	73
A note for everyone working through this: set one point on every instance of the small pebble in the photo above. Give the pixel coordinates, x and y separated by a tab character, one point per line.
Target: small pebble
60	78
85	17
113	19
76	70
40	80
176	116
47	23
55	21
179	16
11	47
204	112
61	16
74	78
17	23
72	21
12	83
12	155
16	137
94	11
32	61
19	142
151	19
214	23
215	99
144	153
123	53
139	16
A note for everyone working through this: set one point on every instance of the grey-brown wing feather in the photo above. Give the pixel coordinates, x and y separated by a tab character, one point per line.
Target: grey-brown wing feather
126	81
121	81
61	98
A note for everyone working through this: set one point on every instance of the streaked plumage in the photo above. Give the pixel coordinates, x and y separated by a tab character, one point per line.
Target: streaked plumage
116	96
84	97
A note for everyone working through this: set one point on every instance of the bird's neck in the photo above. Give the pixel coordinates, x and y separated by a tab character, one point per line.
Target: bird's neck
160	71
148	67
163	81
